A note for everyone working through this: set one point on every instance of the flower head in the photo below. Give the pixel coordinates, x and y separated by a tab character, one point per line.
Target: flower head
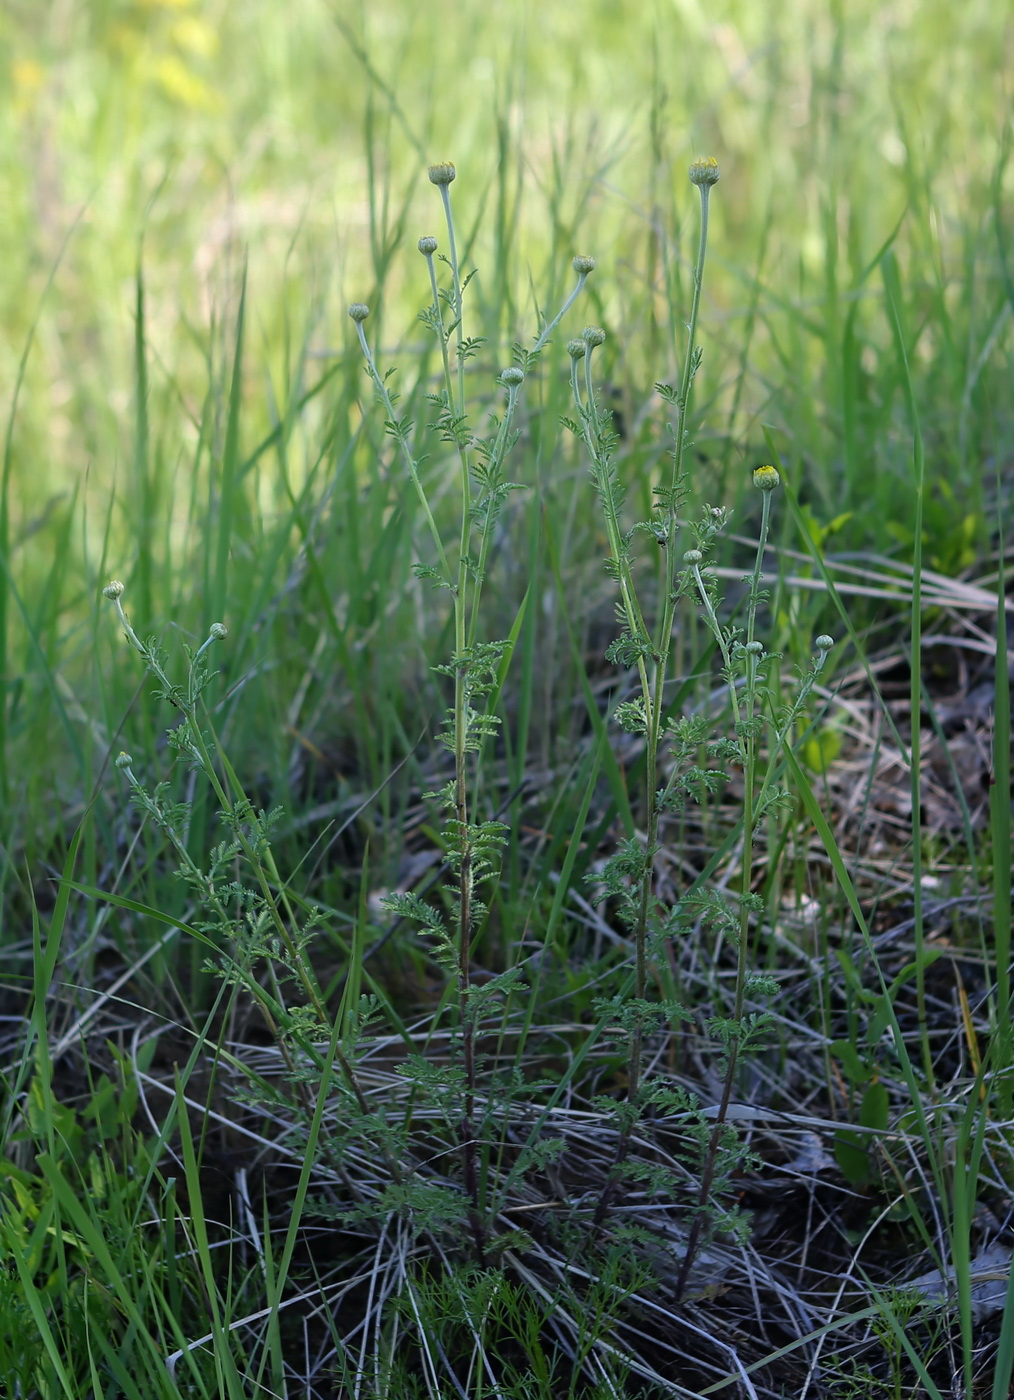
427	246
359	311
704	171
583	264
766	478
442	173
593	335
113	590
512	375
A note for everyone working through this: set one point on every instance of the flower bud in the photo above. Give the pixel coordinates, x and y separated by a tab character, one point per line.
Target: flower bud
576	349
754	648
427	246
123	760
512	375
583	264
693	556
593	335
218	630
824	642
442	173
359	311
766	478
704	171
113	590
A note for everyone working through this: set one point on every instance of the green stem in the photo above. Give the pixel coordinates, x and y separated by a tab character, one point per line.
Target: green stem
748	737
462	701
551	326
399	431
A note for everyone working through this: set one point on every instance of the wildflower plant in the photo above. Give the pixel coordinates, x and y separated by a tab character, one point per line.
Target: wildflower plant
255	939
261	940
473	844
682	741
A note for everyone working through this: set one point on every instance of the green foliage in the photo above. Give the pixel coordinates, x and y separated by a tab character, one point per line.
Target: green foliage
467	1089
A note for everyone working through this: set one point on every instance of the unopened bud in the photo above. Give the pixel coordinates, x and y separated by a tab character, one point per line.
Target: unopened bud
766	478
704	171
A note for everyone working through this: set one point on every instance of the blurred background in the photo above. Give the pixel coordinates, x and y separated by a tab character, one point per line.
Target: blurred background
296	137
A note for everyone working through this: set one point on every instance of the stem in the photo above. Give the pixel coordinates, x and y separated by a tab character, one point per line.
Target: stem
551	326
723	646
398	431
486	537
748	735
462	700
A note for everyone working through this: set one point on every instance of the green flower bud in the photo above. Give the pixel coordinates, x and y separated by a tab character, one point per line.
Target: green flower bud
754	648
704	171
442	173
427	246
113	590
824	642
693	556
123	760
218	630
512	375
359	311
576	349
766	478
583	264
593	335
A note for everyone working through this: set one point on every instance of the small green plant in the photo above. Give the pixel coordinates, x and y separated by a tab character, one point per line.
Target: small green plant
692	748
477	667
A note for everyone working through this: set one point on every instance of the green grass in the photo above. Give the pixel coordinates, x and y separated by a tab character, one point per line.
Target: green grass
281	1142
